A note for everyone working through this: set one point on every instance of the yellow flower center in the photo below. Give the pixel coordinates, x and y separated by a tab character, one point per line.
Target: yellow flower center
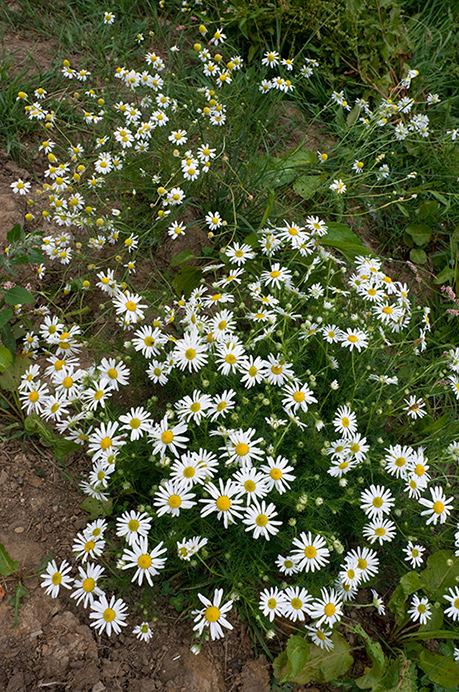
380	531
131	306
310	552
67	382
189	472
345	422
275	474
55	407
230	358
274	274
276	369
144	561
352	338
421	608
99	394
387	310
249	486
261	520
212	614
299	397
223	503
167	437
88	585
106	443
438	507
89	545
296	603
149	341
109	615
362	563
419	470
272	603
190	353
112	373
242	449
377	502
135	423
56	578
222	325
174	501
221	405
293	231
133	525
195	407
329	610
33	397
253	371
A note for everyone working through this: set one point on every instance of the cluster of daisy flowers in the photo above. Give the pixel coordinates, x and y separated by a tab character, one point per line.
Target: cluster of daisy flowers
227	453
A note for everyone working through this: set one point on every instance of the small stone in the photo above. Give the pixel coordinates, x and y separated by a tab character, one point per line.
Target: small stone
19	529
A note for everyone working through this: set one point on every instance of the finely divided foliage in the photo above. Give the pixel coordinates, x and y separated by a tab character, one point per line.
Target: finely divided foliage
277	419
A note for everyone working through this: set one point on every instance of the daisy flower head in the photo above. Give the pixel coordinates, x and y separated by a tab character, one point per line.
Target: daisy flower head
365	559
149	341
221	404
415	408
190	546
143	632
338	187
133	525
20	187
190	352
252	371
438	507
239	253
85	585
277	276
345	422
178	137
287	565
278	474
213	220
242	448
380	530
354	338
171	498
311	553
54	577
218	37
398	460
225	500
321	637
87	547
147	563
169	438
108	616
453	598
420	610
109	18
328	609
278	370
136	422
376	501
129	306
351	575
297	603
230	356
297	396
252	482
378	602
271	602
213	615
193	407
270	59
414	554
260	518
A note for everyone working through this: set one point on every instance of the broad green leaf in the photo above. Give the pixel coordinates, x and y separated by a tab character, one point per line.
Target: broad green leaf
8	338
5	358
181	258
10	379
409	583
418	256
299	157
419	232
186	280
34	425
5	316
400	676
97	508
7	564
446	276
307	185
15	234
252	240
64	447
439	576
342	238
353	115
378	660
436	425
441	670
18	296
317	664
15	601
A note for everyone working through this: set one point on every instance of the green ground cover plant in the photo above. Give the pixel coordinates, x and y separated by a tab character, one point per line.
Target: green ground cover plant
272	386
